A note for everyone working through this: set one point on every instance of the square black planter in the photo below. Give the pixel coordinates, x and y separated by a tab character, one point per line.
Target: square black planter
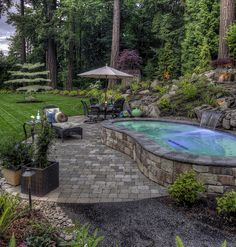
43	181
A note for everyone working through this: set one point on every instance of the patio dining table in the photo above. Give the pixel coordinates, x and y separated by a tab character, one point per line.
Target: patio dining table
104	108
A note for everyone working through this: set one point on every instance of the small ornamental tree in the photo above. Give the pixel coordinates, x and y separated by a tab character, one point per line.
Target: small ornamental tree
28	74
129	60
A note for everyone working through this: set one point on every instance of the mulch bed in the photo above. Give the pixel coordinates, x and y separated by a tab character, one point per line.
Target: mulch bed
205	211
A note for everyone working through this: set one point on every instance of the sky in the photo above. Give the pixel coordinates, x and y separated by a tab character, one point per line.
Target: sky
6	31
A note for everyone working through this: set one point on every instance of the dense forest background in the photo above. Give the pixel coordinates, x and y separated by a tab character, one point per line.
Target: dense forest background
173	37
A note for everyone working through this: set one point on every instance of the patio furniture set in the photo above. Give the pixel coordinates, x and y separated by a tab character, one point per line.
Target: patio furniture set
99	111
59	121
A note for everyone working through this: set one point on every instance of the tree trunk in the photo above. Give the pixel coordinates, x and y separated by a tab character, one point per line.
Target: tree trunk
52	62
51	48
23	48
227	16
115	49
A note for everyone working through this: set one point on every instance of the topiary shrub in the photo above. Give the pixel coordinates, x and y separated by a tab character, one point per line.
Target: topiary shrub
226	204
186	188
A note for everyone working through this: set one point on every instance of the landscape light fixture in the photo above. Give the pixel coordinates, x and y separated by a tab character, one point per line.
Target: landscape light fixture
28	174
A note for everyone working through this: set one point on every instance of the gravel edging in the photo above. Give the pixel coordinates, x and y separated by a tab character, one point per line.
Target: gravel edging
146	223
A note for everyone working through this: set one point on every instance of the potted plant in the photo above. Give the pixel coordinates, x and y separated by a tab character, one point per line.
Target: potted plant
13	156
46	177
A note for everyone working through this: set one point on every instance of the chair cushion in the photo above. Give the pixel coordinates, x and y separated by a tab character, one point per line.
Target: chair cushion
67	125
60	117
50	114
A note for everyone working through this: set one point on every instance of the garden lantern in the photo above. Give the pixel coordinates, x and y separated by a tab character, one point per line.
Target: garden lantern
28	174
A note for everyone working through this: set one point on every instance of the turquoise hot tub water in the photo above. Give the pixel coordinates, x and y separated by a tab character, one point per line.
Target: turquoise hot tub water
185	138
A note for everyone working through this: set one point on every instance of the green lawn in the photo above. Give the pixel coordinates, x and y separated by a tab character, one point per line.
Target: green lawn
13	115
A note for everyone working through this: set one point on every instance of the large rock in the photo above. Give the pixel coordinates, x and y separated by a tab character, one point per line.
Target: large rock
226	124
155	83
174	88
151	110
144	92
200	109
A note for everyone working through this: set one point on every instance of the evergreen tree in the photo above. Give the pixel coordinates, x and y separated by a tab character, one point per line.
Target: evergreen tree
201	22
28	74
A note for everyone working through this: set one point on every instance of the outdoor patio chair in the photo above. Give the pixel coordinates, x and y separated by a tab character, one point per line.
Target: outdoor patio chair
118	107
63	129
93	101
91	113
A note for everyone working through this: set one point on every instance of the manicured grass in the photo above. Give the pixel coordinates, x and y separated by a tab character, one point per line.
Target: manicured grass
13	115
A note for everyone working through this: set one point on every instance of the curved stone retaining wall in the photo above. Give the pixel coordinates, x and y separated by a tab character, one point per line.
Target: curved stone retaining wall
163	166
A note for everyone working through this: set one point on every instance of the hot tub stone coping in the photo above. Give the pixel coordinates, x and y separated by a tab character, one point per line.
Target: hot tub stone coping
152	147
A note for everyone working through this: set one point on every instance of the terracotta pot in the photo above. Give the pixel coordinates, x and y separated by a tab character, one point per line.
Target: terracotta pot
12	177
43	181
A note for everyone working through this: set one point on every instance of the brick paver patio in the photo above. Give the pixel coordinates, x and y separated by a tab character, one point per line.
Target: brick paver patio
91	172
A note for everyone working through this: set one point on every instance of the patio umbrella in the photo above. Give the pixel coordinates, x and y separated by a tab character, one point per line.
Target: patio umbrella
106	72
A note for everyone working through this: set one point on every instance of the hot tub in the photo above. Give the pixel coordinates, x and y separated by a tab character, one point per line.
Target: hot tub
163	149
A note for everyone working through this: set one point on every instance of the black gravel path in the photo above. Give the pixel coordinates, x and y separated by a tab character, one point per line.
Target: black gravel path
146	223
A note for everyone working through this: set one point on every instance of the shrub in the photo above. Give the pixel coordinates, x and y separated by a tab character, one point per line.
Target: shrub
164	103
161	89
83	238
186	188
42	235
129	59
15	154
135	86
146	84
226	204
73	93
189	90
94	92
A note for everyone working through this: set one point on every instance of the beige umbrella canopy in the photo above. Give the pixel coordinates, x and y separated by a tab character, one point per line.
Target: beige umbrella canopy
106	72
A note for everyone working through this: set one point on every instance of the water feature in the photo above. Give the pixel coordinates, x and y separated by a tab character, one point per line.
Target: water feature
210	119
185	138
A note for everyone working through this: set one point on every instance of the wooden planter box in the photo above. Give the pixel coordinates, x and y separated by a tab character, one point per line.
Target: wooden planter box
12	177
44	180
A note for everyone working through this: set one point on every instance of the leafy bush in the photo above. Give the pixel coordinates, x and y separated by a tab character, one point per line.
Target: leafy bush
189	90
83	238
226	204
94	92
129	59
161	89
145	84
15	154
42	235
186	188
73	93
164	103
135	86
65	92
8	211
43	144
